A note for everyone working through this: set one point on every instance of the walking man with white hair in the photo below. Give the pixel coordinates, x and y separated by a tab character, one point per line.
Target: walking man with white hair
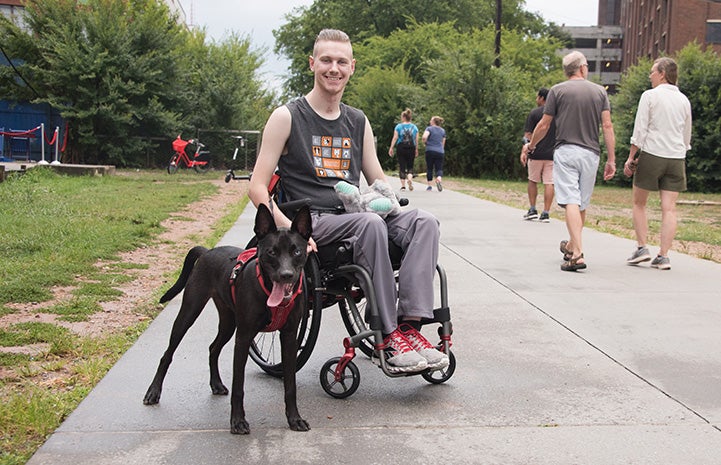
578	107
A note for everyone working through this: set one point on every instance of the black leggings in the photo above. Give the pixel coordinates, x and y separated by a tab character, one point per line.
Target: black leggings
406	157
434	162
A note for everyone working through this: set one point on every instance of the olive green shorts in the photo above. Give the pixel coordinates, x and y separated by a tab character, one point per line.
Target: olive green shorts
657	173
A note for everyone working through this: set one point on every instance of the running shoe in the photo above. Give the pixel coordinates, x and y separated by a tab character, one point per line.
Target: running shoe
532	214
435	358
662	263
640	255
400	355
439	186
544	218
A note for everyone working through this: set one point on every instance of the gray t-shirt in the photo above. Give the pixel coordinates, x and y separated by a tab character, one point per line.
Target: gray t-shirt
321	153
576	107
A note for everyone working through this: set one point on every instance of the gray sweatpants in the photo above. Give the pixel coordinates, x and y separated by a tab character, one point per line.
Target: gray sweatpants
415	231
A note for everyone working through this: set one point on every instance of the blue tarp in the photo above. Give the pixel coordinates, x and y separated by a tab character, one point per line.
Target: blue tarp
24	117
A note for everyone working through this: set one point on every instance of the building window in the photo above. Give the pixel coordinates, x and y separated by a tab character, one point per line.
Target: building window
584	43
611	67
713	31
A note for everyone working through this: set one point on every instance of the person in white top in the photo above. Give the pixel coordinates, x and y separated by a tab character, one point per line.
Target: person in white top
661	137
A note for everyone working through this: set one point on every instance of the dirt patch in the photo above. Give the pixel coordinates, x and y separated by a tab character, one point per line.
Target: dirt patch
158	261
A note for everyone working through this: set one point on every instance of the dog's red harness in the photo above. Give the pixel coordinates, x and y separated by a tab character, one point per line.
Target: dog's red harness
279	314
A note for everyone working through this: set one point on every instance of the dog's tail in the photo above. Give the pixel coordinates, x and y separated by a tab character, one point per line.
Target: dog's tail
190	259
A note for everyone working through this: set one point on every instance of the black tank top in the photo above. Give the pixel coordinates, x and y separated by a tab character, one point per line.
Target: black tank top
321	153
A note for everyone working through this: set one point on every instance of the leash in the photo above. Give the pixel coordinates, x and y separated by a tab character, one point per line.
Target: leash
279	314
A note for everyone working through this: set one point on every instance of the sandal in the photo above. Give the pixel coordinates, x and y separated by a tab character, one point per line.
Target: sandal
567	254
573	265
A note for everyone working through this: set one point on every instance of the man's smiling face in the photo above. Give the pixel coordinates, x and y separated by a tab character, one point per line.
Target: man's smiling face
332	65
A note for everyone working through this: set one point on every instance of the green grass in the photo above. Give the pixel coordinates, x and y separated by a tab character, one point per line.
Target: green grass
56	227
53	230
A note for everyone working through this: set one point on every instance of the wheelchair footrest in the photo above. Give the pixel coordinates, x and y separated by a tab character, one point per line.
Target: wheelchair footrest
440	315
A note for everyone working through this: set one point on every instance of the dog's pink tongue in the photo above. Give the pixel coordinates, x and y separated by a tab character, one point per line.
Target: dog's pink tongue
276	295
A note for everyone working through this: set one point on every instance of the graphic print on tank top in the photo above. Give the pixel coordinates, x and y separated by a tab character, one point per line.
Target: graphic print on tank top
332	156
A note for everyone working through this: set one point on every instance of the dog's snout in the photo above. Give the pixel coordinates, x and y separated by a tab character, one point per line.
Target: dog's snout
286	275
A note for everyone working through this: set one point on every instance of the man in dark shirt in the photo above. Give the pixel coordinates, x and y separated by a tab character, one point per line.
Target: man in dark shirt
540	162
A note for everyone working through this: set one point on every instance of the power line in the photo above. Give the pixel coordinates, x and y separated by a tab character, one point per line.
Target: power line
17	72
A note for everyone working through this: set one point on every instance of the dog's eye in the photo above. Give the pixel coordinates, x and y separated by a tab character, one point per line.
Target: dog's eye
297	252
271	252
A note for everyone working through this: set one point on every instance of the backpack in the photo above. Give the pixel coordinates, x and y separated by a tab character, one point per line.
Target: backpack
407	138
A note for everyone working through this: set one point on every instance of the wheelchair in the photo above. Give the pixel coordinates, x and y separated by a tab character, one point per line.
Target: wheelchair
331	278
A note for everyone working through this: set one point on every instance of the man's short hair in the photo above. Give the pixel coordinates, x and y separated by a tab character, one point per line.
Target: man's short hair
573	62
543	93
669	68
330	35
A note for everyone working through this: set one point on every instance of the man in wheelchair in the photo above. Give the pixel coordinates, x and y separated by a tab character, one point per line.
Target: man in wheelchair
317	141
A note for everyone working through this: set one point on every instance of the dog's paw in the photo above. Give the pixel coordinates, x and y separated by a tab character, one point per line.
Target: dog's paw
218	389
239	427
298	424
152	397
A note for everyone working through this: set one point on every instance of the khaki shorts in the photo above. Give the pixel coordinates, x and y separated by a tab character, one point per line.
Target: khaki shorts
574	170
657	173
540	170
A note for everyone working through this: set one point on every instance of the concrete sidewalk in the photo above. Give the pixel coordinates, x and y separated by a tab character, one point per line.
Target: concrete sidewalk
615	364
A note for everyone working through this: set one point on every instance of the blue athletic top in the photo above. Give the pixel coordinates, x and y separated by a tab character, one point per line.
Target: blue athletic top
434	143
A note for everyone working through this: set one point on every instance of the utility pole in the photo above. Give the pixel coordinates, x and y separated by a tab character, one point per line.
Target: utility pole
497	61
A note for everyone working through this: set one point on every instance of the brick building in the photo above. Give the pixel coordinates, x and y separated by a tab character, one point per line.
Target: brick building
632	29
652	28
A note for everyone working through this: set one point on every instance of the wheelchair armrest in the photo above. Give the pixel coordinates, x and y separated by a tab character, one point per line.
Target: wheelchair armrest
290	209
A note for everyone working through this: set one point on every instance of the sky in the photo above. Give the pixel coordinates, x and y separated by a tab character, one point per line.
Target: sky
257	19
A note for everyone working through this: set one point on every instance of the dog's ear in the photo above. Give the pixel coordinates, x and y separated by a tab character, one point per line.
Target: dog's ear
302	223
264	222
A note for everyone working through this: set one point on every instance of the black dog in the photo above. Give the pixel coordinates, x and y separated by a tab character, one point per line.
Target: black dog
244	307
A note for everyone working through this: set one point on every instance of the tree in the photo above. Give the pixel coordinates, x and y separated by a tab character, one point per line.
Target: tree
363	20
483	106
122	72
700	80
107	66
383	94
435	69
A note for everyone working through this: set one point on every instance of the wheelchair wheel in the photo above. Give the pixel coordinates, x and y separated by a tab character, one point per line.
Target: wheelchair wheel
265	350
441	376
346	386
350	312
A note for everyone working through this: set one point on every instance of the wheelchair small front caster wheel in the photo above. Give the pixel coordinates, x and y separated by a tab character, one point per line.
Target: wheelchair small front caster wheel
343	387
441	376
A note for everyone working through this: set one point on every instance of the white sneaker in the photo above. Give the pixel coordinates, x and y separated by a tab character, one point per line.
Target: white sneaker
400	355
435	358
